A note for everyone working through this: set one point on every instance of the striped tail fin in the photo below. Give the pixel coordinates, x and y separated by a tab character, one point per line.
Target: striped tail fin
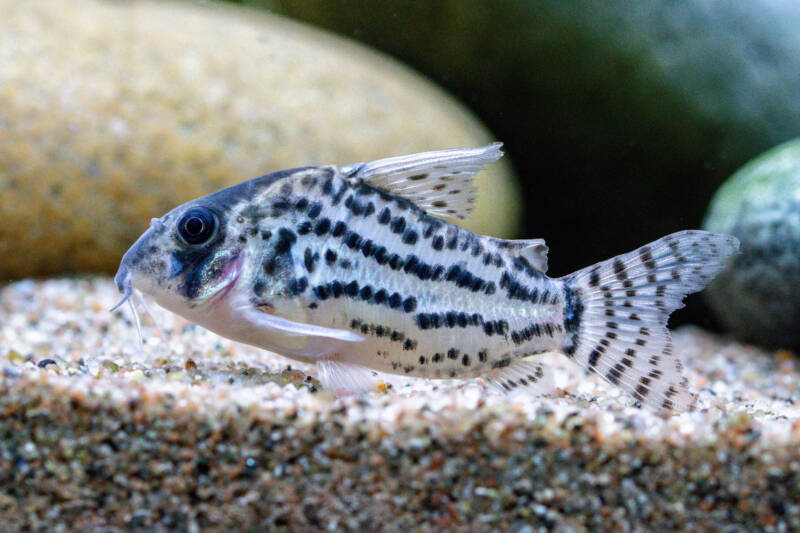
616	313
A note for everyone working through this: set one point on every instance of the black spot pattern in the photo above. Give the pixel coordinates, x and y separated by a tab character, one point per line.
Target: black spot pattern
381	331
365	293
330	257
495	327
351	289
314	210
453	319
298	286
517	291
398	224
286	239
309	260
322	226
531	331
594	278
410	237
409	345
339	229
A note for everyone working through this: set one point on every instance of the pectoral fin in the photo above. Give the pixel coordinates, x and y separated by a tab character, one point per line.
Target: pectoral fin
290	327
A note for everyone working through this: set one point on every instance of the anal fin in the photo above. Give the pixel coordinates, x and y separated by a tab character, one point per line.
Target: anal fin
531	376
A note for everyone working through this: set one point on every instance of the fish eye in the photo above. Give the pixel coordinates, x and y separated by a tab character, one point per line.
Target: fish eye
197	225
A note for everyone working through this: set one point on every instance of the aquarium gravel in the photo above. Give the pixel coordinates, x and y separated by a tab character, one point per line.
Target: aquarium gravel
193	432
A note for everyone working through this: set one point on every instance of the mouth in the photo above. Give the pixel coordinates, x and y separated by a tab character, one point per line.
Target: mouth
232	272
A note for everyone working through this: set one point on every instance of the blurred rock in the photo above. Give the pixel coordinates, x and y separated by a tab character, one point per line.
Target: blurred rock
621	117
758	296
114	112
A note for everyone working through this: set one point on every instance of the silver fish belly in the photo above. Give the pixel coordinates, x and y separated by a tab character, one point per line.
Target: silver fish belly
347	268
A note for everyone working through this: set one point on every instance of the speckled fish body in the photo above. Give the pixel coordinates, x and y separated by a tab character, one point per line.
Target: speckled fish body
347	268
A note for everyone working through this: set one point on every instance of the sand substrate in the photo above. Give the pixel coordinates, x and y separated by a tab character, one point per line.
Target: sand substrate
193	432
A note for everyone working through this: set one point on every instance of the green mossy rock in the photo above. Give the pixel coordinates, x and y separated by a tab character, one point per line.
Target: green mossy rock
114	112
758	295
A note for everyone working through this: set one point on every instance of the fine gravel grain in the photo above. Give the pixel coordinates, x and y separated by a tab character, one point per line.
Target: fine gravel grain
194	432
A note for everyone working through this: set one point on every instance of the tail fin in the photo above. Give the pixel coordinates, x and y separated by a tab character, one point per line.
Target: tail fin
616	313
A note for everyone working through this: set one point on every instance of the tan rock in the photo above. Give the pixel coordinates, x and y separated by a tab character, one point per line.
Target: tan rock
116	112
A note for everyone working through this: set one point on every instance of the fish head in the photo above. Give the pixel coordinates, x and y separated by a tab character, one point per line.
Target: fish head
193	255
184	259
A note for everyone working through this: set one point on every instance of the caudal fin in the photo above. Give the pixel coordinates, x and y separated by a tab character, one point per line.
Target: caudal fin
616	313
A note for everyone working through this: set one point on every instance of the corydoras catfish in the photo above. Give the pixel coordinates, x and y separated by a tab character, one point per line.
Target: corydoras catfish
349	268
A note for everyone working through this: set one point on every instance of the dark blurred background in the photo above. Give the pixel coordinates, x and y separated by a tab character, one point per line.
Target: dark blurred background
621	118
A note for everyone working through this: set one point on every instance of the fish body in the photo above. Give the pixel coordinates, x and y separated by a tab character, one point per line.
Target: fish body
349	269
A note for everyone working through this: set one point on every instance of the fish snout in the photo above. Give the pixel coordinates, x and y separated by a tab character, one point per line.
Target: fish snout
123	278
127	266
124	284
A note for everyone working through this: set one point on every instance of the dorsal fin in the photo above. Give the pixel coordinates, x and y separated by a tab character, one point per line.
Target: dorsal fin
439	182
533	250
